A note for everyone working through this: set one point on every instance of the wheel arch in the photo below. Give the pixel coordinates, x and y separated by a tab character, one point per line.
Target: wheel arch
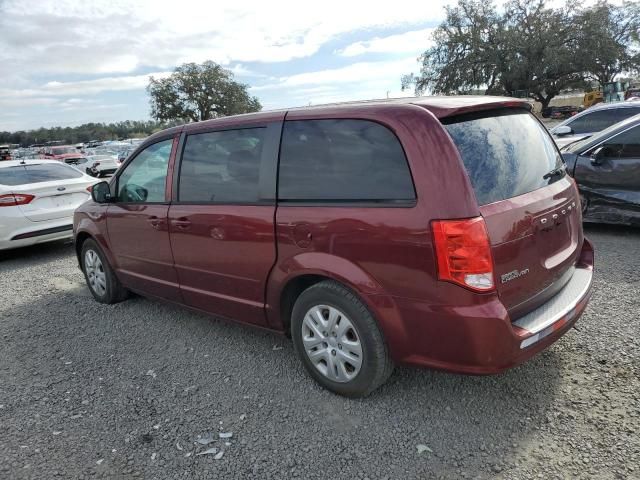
290	279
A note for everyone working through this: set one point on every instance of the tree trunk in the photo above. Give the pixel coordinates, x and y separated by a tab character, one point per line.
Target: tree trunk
545	101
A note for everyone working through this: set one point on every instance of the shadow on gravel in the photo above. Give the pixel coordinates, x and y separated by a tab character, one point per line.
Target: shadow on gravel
20	258
601	228
139	376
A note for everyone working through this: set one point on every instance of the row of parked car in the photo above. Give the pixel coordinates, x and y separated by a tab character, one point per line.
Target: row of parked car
97	161
442	232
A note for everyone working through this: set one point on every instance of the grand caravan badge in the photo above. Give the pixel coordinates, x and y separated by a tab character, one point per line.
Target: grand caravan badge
507	277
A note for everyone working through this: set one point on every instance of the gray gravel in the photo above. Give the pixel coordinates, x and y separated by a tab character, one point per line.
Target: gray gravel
128	390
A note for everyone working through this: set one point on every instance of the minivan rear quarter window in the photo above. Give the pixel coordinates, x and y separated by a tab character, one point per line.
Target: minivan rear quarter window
342	161
506	153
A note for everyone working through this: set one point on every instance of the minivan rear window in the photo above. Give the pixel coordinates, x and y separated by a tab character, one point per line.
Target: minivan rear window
506	153
36	173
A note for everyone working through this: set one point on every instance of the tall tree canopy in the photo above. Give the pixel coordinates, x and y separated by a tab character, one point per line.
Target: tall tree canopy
528	47
199	92
611	33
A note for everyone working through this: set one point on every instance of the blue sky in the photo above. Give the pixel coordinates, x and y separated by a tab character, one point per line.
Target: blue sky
67	62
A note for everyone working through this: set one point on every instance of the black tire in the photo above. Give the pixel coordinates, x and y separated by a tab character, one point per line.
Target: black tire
114	291
376	364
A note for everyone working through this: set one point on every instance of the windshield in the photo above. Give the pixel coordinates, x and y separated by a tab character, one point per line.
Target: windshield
506	153
600	136
36	173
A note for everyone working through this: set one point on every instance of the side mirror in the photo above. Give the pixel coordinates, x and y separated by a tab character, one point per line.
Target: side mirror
597	155
101	193
562	130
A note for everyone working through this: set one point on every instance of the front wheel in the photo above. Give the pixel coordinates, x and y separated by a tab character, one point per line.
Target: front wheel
101	280
339	341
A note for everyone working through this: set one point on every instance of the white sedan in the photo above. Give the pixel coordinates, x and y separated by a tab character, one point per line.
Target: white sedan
37	200
101	165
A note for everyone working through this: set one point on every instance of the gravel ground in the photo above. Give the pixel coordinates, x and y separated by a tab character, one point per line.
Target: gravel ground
124	391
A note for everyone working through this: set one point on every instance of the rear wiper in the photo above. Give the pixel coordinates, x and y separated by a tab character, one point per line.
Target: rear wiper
556	171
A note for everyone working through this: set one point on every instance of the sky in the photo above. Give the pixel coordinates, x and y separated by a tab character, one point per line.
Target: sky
64	63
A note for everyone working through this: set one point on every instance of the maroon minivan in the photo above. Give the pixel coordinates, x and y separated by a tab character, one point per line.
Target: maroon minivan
441	232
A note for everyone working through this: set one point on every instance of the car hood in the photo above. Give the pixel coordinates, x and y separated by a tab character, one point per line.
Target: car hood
567	139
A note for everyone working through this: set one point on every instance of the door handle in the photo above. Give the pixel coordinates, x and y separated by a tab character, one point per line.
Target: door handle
154	221
181	223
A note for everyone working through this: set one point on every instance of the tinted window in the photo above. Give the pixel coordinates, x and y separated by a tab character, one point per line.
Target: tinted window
63	150
44	172
625	145
505	154
75	161
143	180
599	120
346	160
221	166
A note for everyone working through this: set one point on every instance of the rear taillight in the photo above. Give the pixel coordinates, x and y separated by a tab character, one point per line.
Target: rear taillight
464	253
13	199
89	188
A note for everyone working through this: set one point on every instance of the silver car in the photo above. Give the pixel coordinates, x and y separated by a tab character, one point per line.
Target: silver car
593	120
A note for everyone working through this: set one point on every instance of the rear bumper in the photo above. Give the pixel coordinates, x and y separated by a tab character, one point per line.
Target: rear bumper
480	338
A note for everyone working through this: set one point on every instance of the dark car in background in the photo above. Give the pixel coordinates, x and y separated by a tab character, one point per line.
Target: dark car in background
441	232
606	168
593	120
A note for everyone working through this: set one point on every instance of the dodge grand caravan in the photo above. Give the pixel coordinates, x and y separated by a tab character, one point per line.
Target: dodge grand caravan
440	232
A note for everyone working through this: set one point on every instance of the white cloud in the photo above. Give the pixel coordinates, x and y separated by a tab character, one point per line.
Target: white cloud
412	41
79	88
359	81
119	36
361	72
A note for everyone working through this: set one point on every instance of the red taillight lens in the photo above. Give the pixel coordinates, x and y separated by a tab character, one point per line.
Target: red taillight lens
13	199
464	253
89	188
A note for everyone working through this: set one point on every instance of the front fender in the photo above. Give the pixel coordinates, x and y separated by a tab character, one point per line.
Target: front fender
94	224
378	301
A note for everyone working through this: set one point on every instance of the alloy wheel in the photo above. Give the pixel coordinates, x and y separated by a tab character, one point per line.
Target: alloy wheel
332	343
95	272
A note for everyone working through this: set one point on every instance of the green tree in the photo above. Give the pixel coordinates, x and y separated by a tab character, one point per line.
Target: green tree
609	36
199	92
527	47
465	54
540	49
86	132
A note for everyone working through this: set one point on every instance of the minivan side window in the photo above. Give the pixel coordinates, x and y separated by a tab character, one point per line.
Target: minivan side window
342	160
599	120
143	179
221	166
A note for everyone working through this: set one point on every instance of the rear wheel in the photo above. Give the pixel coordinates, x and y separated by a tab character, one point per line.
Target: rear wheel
339	341
101	280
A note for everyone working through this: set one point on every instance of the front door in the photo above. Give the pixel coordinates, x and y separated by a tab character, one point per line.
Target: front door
610	182
221	220
137	224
